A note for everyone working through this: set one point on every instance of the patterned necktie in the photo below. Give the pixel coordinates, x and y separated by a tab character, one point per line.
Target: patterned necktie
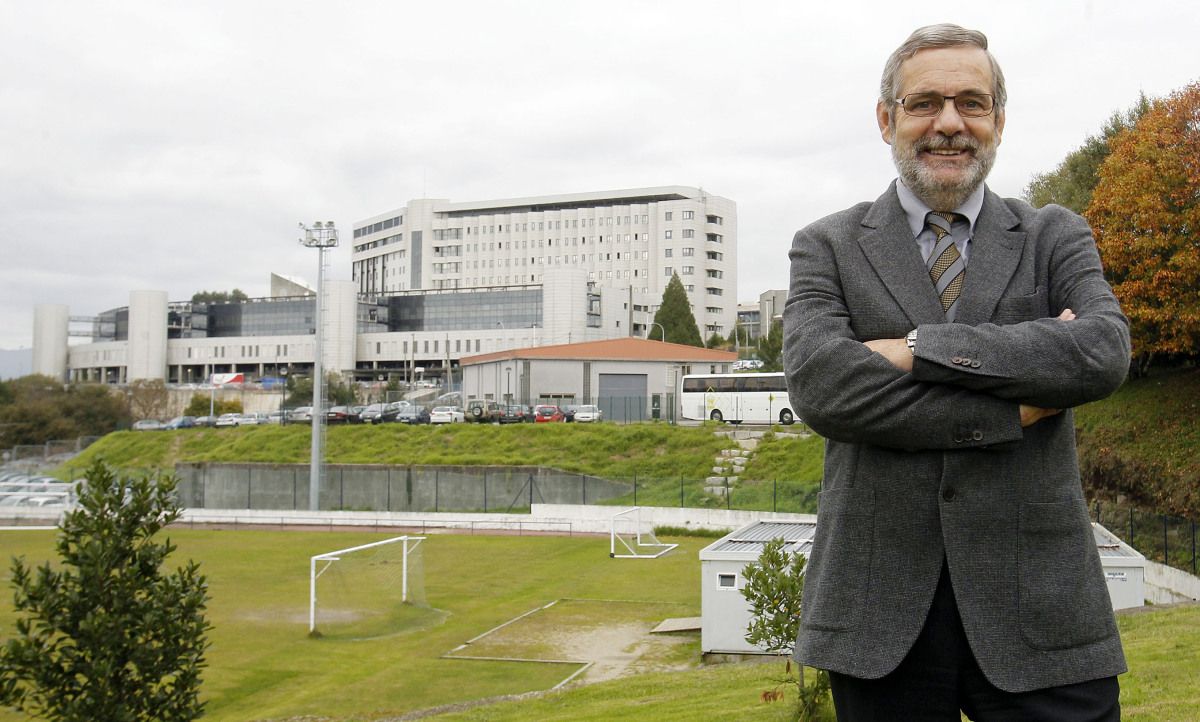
946	266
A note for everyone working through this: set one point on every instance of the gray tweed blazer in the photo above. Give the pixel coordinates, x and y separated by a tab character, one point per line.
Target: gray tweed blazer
935	464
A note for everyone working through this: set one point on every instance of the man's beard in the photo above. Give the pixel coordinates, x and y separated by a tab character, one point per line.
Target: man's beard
919	177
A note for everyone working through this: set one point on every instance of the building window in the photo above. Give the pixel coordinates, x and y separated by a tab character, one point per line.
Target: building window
689	251
667	235
689	270
689	233
689	215
667	252
716	220
727	582
667	216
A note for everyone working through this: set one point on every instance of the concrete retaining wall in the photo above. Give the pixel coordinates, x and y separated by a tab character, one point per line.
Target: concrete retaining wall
1167	585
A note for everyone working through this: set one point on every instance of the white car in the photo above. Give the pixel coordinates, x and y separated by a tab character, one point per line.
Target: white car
447	415
588	413
228	420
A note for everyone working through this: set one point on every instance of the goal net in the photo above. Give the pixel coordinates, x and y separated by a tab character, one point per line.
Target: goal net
366	591
631	537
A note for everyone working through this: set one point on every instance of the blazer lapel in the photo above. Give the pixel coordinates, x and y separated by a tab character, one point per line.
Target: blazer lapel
890	248
995	253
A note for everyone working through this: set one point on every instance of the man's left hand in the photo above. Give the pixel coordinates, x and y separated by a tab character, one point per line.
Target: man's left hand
895	350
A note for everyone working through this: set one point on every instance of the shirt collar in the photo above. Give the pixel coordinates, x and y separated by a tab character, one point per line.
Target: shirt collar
916	209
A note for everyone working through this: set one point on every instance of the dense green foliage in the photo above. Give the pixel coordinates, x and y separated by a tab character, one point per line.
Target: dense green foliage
300	391
234	296
1072	182
202	403
770	348
774	586
36	409
104	634
674	317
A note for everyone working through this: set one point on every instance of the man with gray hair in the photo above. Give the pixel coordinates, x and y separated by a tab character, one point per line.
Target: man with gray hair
937	338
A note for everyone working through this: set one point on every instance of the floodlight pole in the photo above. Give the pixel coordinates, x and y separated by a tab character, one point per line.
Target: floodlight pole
320	236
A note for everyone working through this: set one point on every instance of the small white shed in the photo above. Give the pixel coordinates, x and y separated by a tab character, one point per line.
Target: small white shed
724	612
1124	569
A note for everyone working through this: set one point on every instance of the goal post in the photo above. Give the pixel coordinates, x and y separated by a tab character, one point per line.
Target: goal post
373	578
631	537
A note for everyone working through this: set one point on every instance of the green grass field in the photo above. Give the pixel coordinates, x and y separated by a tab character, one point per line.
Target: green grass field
263	666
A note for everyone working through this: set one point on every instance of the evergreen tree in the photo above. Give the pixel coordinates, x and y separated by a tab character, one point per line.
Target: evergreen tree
105	634
770	348
674	317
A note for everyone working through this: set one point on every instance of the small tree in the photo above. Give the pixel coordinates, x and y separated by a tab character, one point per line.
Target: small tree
200	404
674	317
770	348
148	399
106	635
774	586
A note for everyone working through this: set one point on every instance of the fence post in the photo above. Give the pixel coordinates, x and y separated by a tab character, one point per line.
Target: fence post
485	491
249	488
437	488
635	489
1193	548
681	491
1166	559
728	501
775	495
1131	528
531	492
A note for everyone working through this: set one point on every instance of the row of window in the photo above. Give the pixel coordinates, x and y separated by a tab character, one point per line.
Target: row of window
380	226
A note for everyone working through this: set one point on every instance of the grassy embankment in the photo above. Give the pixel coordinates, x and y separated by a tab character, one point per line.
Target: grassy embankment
784	474
262	665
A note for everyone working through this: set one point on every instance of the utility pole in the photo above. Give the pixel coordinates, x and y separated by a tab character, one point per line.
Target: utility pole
320	236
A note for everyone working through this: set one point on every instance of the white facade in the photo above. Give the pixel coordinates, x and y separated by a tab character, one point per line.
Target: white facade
631	241
146	357
50	327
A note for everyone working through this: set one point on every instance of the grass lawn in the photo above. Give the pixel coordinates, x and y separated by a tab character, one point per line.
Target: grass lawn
262	665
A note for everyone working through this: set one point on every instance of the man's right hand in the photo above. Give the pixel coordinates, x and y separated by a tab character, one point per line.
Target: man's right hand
1030	415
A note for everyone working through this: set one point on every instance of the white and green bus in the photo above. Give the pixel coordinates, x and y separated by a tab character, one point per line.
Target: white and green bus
759	398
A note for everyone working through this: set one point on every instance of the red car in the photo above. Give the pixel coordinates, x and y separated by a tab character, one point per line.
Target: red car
546	413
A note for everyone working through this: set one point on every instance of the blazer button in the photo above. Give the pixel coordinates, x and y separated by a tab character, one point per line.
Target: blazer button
977	435
949	493
975	364
956	360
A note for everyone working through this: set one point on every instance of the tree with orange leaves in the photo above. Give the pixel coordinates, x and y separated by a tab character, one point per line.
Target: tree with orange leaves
1145	212
1146	217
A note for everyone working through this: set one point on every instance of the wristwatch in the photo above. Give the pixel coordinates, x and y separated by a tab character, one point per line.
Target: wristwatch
911	341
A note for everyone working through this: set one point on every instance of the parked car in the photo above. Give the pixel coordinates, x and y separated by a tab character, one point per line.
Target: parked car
252	419
354	414
568	411
545	413
447	415
337	415
588	413
277	417
180	422
516	414
391	411
205	421
371	412
300	415
147	425
412	415
484	412
225	420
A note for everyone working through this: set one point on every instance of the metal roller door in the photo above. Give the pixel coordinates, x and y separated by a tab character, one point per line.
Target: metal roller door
622	397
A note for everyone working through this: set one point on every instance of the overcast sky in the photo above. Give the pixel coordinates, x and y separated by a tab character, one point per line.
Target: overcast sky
175	145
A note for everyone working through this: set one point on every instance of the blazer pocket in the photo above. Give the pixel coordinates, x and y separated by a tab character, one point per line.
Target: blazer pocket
1062	599
837	576
1015	309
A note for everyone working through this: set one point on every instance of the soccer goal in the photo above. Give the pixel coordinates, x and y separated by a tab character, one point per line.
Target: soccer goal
363	591
632	538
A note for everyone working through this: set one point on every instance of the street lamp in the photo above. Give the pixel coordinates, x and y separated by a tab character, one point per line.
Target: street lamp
320	236
508	385
651	328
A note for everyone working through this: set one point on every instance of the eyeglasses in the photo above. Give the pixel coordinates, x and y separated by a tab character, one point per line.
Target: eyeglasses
929	105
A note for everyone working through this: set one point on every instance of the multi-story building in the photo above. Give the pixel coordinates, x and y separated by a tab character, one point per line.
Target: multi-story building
630	241
432	283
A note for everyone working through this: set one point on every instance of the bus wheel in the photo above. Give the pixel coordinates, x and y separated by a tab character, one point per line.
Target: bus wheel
786	418
716	416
